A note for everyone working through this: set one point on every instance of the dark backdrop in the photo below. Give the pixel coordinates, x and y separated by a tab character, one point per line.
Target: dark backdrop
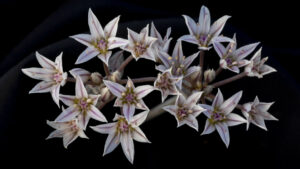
44	26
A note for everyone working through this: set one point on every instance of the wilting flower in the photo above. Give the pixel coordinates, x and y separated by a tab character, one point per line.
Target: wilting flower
125	132
232	58
51	74
257	66
69	131
129	97
186	110
81	106
201	33
100	41
166	84
256	112
219	115
162	44
178	63
140	45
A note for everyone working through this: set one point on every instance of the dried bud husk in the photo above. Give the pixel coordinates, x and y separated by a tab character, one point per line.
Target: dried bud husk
209	75
96	78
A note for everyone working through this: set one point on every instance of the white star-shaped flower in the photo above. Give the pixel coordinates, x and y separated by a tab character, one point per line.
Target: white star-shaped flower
129	97
256	112
232	58
219	115
202	33
125	132
51	74
81	106
186	110
100	41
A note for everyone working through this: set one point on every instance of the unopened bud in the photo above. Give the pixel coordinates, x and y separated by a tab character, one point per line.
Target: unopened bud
209	75
104	94
96	78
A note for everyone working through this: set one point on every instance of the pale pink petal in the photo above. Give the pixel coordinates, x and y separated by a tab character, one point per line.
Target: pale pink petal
42	87
84	74
81	134
180	100
84	39
141	105
220	49
69	138
83	120
95	26
177	52
191	24
104	57
105	128
96	114
209	128
165	58
189	60
138	135
242	63
58	62
191	121
129	84
56	134
197	110
142	91
231	103
208	110
94	98
115	88
193	99
234	119
204	20
112	141
191	70
44	62
223	132
87	55
138	119
221	39
132	36
218	26
128	111
115	42
69	114
218	101
155	33
259	121
172	109
58	125
67	99
189	38
266	69
118	103
127	146
55	93
244	51
110	30
39	73
80	89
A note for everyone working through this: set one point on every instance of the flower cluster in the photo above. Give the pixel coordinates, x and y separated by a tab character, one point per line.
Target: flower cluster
187	84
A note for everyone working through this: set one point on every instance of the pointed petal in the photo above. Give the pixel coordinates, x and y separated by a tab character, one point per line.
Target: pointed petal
58	62
266	69
132	36
44	62
234	69
209	128
127	146
115	61
115	42
94	98
220	49
95	26
105	128
69	138
110	30
87	55
165	58
218	26
59	125
138	119
218	101
244	51
172	109
259	121
55	93
231	103
67	99
129	84
139	135
83	120
115	88
192	122
96	114
128	111
42	87
177	52
191	24
84	74
204	20
69	114
84	39
55	134
141	105
142	91
80	89
193	99
111	143
180	100
221	39
234	119
223	132
189	38
155	33
39	73
104	57
263	107
188	60
191	70
161	68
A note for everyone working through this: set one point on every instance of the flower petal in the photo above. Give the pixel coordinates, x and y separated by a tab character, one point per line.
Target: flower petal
193	99
84	39
42	87
69	138
189	38
95	26
55	134
67	99
83	120
69	114
220	49
55	93
189	60
138	135
104	57
165	58
128	111
234	119
218	101
172	109
115	61
223	132
138	119
87	55
191	24
105	128
80	89
115	42
259	121
44	62
154	33
209	128
204	20
84	74
132	36
231	103
110	30
177	52
244	51
266	69
127	146
111	142
191	121
58	62
115	88
96	114
142	91
218	26
191	70
39	73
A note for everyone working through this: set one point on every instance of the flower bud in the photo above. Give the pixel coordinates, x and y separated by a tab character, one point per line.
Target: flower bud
209	75
96	78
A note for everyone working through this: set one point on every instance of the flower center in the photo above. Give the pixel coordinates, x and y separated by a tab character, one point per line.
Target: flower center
183	112
129	96
217	116
84	104
164	82
229	60
101	45
140	49
57	77
123	125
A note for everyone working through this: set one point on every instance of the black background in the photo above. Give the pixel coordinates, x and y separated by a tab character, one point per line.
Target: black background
44	26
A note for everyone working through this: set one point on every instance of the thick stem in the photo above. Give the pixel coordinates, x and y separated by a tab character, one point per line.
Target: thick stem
139	80
158	110
125	63
106	70
201	63
219	70
231	79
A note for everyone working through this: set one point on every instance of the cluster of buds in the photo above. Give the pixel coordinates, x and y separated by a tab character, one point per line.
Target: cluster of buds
179	78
